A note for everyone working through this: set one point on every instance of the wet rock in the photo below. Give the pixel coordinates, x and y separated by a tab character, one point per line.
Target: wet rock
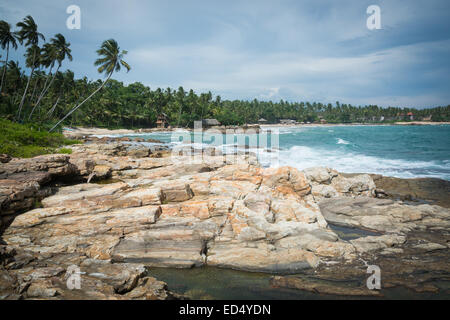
150	288
372	243
260	257
327	288
429	246
430	189
383	215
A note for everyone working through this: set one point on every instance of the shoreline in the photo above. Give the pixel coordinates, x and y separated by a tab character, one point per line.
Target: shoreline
101	135
83	131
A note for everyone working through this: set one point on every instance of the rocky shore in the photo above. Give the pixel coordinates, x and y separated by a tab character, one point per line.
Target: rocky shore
115	211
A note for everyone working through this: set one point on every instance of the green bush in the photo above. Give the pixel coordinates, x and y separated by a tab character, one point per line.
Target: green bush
65	150
26	141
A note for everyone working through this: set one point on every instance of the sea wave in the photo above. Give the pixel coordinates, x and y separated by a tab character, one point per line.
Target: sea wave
342	141
302	157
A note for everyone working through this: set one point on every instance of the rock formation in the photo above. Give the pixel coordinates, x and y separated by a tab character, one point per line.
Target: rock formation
172	212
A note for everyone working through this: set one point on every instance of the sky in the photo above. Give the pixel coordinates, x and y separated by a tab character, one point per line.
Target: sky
295	50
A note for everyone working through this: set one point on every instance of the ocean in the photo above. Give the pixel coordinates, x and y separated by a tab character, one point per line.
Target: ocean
390	150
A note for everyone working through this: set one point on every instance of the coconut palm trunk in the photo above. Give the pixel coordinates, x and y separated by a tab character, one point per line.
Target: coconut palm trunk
49	113
36	82
75	108
25	93
4	68
45	85
44	91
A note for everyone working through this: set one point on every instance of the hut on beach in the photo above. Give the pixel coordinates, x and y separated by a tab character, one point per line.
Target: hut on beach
262	121
162	121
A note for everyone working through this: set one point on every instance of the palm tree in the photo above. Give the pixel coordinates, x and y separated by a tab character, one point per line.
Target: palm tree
38	77
64	81
59	50
60	84
48	58
111	59
7	39
28	33
15	78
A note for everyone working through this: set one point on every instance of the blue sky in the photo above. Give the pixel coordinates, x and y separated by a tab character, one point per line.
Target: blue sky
310	50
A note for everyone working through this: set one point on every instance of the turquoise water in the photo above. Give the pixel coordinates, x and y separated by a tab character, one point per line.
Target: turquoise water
399	151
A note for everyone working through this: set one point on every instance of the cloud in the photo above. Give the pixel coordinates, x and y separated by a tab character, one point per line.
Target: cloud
291	50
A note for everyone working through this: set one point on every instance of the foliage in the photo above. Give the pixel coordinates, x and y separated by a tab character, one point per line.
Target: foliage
65	150
27	141
44	96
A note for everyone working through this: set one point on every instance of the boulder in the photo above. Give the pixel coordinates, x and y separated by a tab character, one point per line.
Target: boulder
5	158
320	175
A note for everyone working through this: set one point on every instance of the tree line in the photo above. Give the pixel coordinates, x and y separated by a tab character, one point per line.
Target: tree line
42	94
41	60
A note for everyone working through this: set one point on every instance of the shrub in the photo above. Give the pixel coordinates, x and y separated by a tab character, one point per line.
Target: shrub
26	141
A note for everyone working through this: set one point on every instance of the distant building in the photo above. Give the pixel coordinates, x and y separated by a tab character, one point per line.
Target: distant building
427	118
323	121
162	121
381	118
210	123
287	121
262	121
410	116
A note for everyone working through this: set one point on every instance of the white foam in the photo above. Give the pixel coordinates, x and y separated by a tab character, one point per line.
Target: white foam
342	141
302	157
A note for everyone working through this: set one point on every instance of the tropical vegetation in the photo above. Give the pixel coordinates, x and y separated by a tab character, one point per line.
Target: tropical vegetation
42	94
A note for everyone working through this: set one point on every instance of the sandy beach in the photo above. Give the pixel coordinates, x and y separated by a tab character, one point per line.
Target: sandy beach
83	131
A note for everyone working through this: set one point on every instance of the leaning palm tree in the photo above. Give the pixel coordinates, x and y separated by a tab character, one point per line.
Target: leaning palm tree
64	81
60	49
111	59
29	34
7	38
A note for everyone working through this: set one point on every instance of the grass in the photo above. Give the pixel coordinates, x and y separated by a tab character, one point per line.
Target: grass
25	141
65	150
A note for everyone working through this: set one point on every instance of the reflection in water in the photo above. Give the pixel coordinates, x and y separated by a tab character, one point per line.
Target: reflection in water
222	284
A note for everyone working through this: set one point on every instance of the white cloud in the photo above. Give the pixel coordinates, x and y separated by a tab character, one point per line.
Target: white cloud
309	50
